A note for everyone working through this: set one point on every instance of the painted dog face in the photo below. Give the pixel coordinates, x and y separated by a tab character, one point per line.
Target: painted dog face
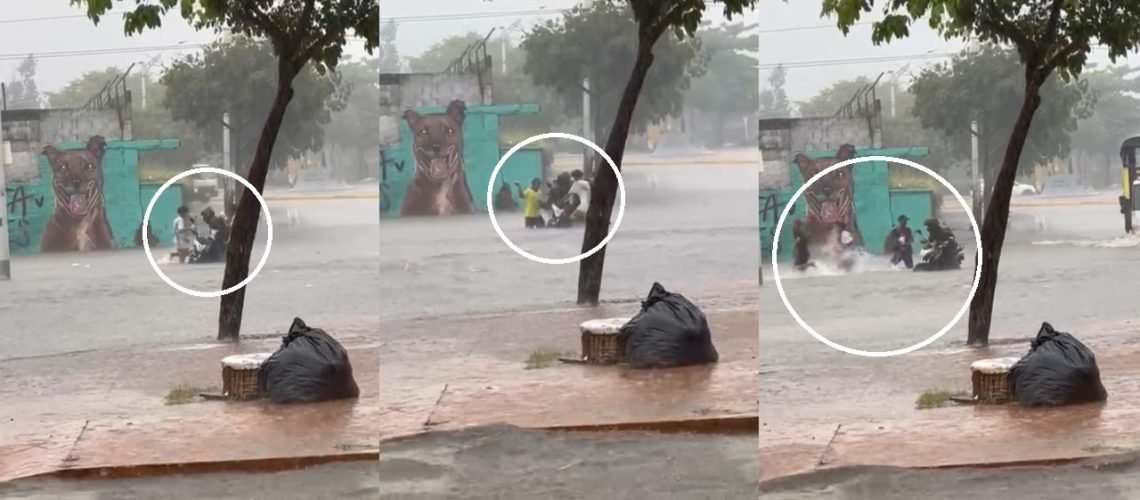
829	198
438	143
77	176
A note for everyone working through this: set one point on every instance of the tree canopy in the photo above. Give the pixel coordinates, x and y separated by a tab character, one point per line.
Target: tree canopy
599	41
22	92
988	86
1115	116
234	75
1050	37
730	82
353	127
774	99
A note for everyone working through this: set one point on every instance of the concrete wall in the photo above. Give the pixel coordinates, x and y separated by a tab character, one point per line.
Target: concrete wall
782	138
32	201
481	151
876	207
29	130
400	91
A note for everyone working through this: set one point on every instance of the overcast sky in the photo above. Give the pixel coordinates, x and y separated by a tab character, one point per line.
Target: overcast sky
792	32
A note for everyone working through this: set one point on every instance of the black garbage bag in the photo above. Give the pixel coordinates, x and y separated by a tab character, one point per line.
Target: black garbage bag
1059	370
309	366
669	331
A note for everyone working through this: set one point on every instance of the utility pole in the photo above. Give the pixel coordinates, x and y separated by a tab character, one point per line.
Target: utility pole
227	165
5	160
978	196
587	164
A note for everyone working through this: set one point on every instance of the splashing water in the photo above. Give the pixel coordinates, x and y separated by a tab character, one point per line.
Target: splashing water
1126	241
829	265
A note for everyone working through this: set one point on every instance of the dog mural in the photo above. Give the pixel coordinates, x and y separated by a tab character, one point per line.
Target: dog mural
439	185
830	199
79	218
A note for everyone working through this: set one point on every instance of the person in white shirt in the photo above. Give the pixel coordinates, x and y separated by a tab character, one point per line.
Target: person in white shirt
185	234
847	249
581	189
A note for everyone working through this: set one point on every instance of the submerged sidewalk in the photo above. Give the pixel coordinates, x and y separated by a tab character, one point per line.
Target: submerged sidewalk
462	372
107	412
841	411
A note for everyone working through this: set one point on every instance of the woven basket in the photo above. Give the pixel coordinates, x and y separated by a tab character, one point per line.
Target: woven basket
601	348
600	345
239	376
989	380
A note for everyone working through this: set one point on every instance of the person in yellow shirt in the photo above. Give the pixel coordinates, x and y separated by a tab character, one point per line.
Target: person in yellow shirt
532	205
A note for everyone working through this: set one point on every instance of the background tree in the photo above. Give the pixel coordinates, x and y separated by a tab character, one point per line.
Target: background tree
231	75
302	33
388	54
153	122
987	85
1050	36
512	87
774	99
22	91
599	41
1114	119
651	19
351	132
436	58
730	82
829	100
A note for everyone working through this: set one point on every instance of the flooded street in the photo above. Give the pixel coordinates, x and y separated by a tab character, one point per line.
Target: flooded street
823	408
692	228
323	271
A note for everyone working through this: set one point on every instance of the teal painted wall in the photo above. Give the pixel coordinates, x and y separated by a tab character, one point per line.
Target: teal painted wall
522	167
481	151
873	199
917	205
164	211
31	203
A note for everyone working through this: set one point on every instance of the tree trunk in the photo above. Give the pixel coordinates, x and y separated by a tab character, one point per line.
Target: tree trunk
248	210
997	218
605	182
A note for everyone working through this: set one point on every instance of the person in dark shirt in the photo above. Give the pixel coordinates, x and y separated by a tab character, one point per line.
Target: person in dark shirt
800	255
900	243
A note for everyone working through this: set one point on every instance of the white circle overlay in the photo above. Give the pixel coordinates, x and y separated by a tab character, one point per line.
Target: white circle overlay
268	234
545	260
858	352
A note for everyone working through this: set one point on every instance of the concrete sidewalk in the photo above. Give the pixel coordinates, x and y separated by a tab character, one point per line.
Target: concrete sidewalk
106	412
832	419
460	372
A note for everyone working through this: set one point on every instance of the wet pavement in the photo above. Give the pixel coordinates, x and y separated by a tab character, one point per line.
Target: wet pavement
478	375
105	409
507	463
702	215
324	271
486	463
821	408
1110	478
357	480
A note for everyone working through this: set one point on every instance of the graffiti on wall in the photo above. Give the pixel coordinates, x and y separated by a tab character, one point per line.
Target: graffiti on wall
87	197
830	199
19	203
79	217
439	185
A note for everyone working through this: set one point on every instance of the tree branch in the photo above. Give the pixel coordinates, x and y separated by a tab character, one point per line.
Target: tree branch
1074	47
1051	26
305	55
993	20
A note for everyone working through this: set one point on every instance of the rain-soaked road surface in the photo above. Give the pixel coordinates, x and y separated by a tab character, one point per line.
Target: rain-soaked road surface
477	464
324	271
1116	478
823	406
695	232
